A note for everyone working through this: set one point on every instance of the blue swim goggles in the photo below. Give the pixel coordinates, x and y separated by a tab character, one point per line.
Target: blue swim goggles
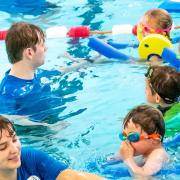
135	136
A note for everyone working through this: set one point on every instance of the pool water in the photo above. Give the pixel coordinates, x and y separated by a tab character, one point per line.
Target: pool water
98	95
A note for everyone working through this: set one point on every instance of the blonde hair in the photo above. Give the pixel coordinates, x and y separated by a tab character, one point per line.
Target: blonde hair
161	17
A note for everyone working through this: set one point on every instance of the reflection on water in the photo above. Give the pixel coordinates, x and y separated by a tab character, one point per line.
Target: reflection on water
94	8
83	130
26	7
39	100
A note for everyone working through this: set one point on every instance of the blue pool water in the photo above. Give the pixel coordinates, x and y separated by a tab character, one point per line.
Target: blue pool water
98	96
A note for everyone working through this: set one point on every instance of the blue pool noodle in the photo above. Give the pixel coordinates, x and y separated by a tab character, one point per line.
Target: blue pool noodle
106	49
170	6
169	56
122	45
111	52
118	45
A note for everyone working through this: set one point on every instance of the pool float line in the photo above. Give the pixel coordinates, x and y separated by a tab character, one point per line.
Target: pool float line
171	5
80	31
3	34
148	46
83	31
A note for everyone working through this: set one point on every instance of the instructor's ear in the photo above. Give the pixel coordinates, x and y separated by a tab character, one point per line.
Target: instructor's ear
28	53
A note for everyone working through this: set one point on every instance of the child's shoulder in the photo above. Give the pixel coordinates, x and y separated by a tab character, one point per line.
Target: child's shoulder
159	153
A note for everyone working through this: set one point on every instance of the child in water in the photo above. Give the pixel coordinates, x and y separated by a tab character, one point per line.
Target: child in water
143	132
162	87
156	21
163	90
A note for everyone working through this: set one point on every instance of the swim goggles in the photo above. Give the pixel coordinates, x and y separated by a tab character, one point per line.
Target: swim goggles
135	136
148	29
149	73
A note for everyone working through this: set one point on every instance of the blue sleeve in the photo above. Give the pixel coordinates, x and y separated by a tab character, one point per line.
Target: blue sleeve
8	105
42	164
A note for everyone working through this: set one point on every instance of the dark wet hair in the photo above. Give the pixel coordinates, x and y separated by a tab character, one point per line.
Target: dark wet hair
149	118
20	36
165	81
6	124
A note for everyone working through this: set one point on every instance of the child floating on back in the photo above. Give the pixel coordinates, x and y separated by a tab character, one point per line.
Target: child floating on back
143	132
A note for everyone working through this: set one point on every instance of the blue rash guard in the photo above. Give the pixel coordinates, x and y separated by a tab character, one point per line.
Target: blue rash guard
36	165
29	97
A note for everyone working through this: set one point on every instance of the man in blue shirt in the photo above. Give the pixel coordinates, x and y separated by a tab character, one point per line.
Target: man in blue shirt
25	89
30	164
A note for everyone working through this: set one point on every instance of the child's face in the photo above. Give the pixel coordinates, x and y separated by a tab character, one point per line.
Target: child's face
149	95
141	147
150	26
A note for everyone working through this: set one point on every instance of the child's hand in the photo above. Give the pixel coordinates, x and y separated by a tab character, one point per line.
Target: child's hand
126	150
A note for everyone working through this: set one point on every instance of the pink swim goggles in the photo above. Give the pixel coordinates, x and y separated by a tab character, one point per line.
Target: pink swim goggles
152	30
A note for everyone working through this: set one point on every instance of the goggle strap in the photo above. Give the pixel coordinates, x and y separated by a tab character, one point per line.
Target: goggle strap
155	136
158	30
151	136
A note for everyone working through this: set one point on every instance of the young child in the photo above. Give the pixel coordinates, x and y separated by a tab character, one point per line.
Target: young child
155	21
143	132
163	90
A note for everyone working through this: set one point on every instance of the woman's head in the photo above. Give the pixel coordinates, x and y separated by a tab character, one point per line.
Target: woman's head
148	122
156	21
9	146
162	85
